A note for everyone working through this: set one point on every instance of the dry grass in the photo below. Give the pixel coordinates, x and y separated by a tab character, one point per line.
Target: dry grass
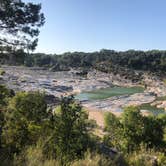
98	115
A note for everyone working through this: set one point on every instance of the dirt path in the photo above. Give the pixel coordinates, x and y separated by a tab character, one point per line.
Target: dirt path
98	117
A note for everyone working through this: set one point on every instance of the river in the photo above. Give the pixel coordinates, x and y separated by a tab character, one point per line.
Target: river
100	91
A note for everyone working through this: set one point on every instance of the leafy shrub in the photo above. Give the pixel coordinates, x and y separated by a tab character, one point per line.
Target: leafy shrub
132	129
69	138
2	72
5	95
25	120
33	156
146	157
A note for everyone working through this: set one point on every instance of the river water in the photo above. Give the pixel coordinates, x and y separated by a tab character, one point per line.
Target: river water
105	93
96	91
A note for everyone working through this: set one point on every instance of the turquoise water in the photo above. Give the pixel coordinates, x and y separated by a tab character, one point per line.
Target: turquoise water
118	91
108	92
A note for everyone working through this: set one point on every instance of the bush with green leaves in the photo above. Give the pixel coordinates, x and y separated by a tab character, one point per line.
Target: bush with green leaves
25	120
33	135
69	138
132	124
5	95
33	156
64	132
114	129
132	129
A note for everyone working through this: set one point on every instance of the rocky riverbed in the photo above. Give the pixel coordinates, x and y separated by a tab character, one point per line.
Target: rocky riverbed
68	82
55	83
117	103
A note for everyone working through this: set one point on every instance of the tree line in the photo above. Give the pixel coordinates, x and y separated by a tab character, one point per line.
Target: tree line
154	60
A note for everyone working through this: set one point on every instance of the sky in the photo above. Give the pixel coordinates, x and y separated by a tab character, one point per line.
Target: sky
92	25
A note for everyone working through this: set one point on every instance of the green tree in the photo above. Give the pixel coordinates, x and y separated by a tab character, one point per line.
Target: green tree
70	137
20	21
133	129
133	126
5	94
25	120
154	132
31	105
114	130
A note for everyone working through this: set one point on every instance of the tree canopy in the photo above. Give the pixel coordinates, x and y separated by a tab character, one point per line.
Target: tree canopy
19	24
132	129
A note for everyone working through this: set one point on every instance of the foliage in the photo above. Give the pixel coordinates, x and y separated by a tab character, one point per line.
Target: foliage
123	63
132	122
134	129
114	129
33	135
29	104
24	120
33	156
5	94
145	157
153	135
94	159
64	133
105	60
70	138
20	21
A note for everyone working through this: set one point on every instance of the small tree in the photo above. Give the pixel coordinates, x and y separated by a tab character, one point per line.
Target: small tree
70	136
114	130
24	120
133	126
134	129
154	132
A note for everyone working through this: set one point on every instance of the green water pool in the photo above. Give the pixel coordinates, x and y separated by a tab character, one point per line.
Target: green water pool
108	92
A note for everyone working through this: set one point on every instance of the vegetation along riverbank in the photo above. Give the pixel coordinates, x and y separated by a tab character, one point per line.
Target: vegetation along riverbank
98	108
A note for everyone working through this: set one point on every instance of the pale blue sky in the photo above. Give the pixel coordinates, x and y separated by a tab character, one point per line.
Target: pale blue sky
90	25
